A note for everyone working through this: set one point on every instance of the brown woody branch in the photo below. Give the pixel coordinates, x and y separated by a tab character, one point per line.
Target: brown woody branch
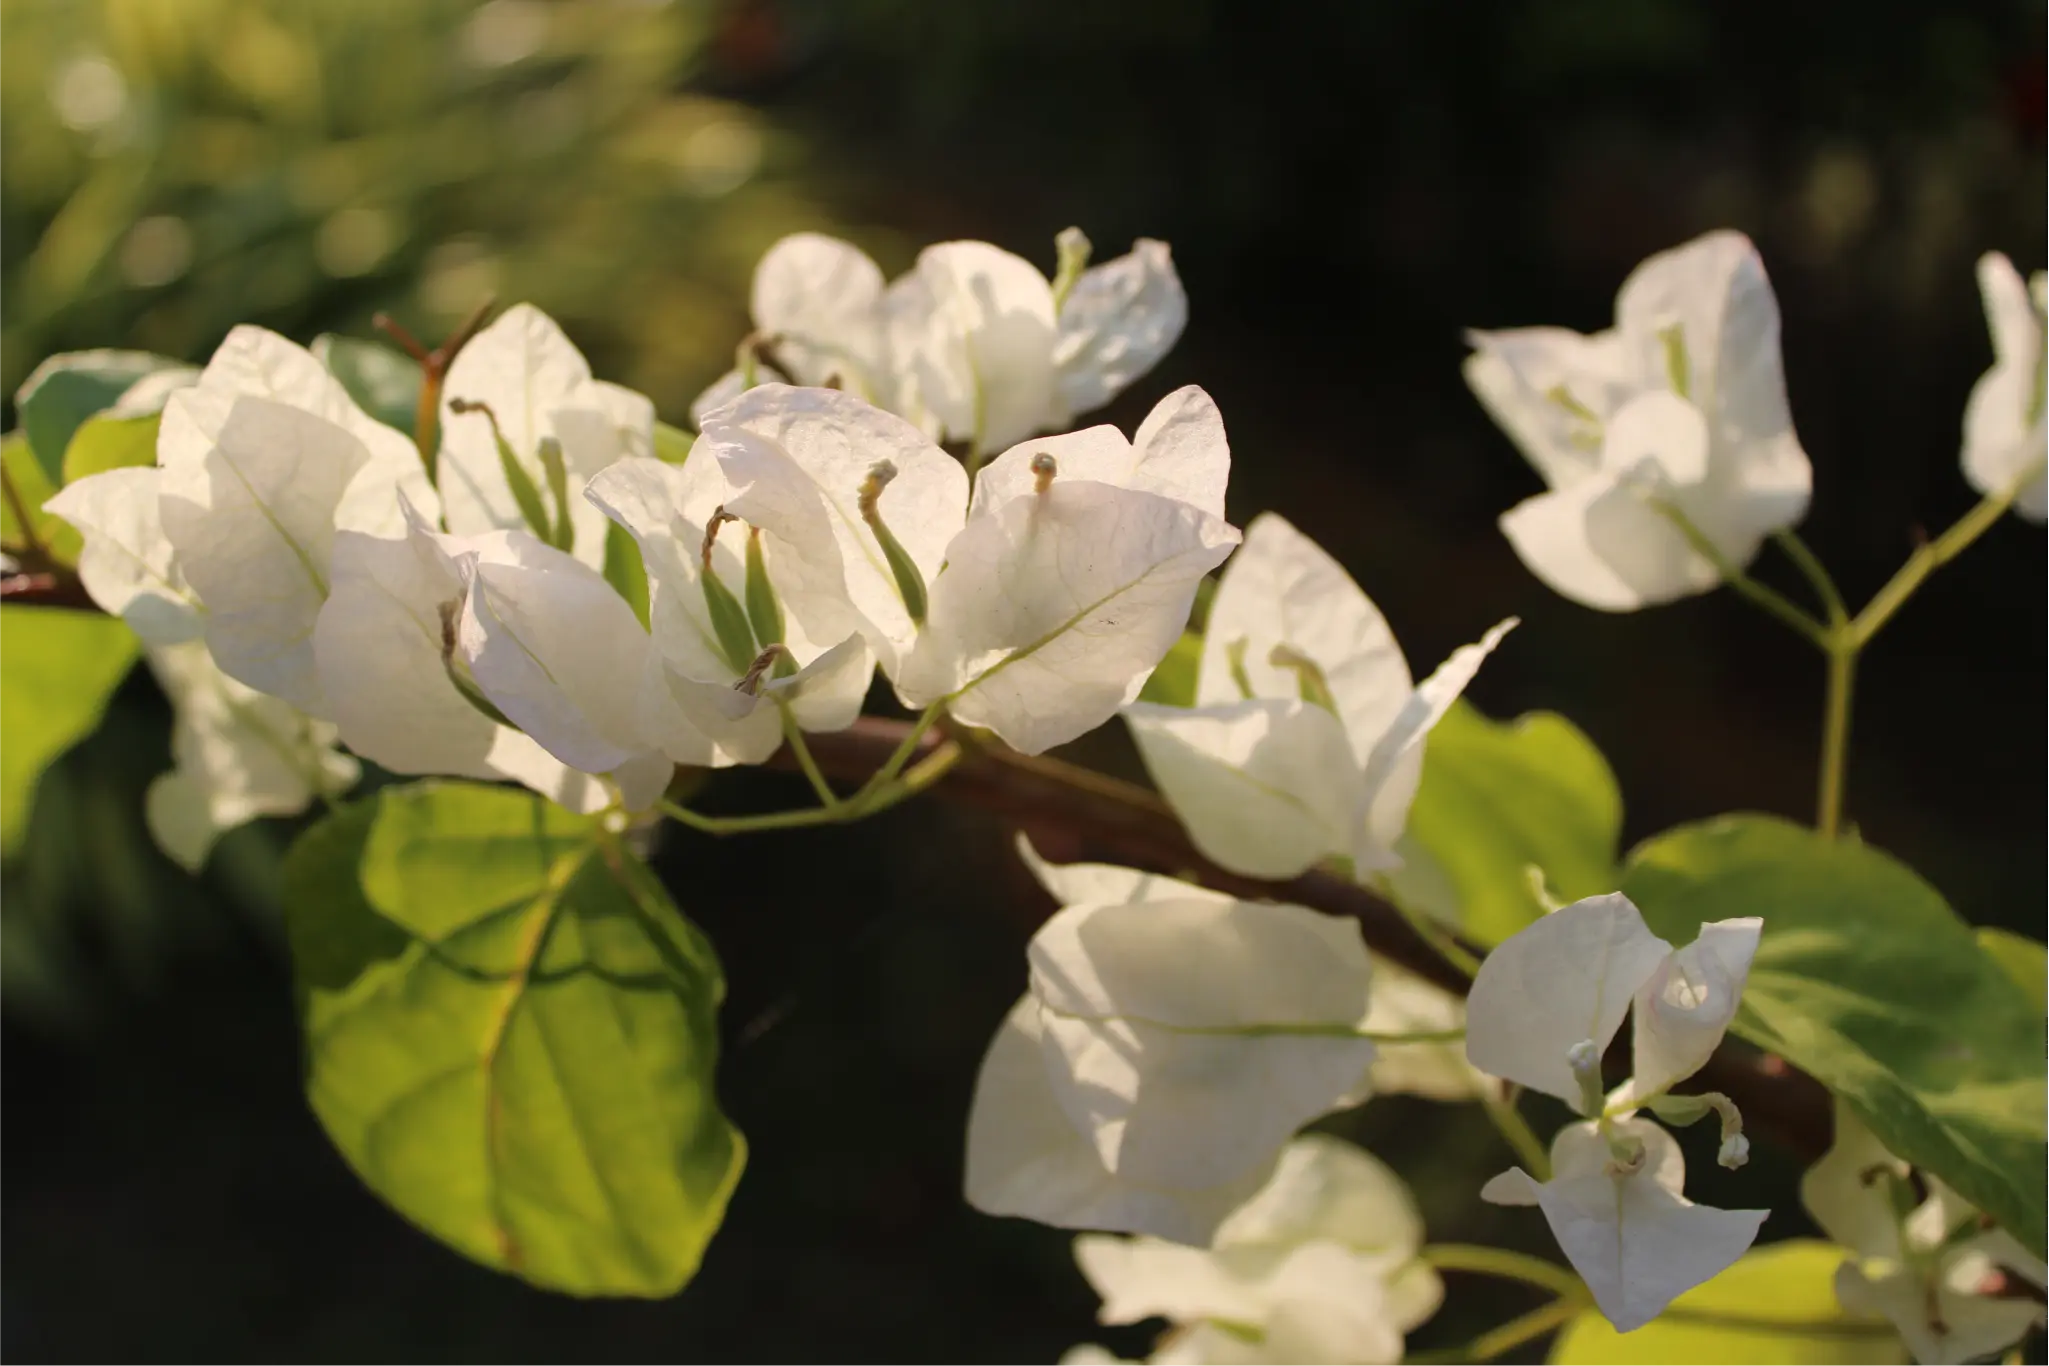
1076	814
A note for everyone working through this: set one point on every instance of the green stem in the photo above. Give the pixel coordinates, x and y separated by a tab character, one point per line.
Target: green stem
1412	1036
1499	1261
793	735
902	754
1773	602
1516	1131
1511	1335
1835	732
1818	578
1936	553
743	825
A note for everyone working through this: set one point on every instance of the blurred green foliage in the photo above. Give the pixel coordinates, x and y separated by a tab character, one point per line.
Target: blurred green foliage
169	168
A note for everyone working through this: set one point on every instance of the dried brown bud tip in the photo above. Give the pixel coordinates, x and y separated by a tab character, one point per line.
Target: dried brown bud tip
711	532
879	476
1043	467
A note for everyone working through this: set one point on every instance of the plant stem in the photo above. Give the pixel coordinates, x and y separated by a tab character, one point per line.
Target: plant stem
1511	1335
1936	553
1818	578
1770	599
743	825
1499	1261
1418	1036
1516	1131
1438	938
793	735
1835	732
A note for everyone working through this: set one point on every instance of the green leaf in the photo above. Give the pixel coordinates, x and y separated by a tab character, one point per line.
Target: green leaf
384	381
672	443
65	390
1775	1306
62	667
1500	797
27	489
111	443
511	1035
2022	959
1172	682
624	569
1868	981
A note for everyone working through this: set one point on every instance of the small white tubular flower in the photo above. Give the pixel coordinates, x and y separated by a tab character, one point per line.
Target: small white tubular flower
2003	424
521	379
251	512
384	643
800	463
705	697
256	363
1179	452
1055	605
1188	1039
1683	401
128	565
236	755
1318	1266
1561	985
1116	323
1306	740
1922	1264
1624	1225
973	330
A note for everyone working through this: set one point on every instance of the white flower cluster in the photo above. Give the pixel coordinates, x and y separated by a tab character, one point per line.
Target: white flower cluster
305	581
1678	413
464	625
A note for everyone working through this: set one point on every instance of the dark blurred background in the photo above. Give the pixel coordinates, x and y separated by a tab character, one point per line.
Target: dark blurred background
1346	186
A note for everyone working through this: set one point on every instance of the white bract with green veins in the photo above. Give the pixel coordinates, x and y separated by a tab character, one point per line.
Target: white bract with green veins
1542	1011
1680	407
1172	1042
1306	742
1318	1266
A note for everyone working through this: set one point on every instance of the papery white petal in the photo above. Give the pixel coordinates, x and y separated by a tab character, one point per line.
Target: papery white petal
717	395
559	652
1686	1006
1054	608
820	300
981	350
1265	788
1567	978
378	646
798	458
1105	884
1190	1039
1581	1150
237	755
1937	1322
1551	390
1405	1003
1637	1245
2001	433
826	694
1326	1188
1395	767
251	513
1281	588
1179	452
1117	322
1025	1158
538	385
128	565
255	363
